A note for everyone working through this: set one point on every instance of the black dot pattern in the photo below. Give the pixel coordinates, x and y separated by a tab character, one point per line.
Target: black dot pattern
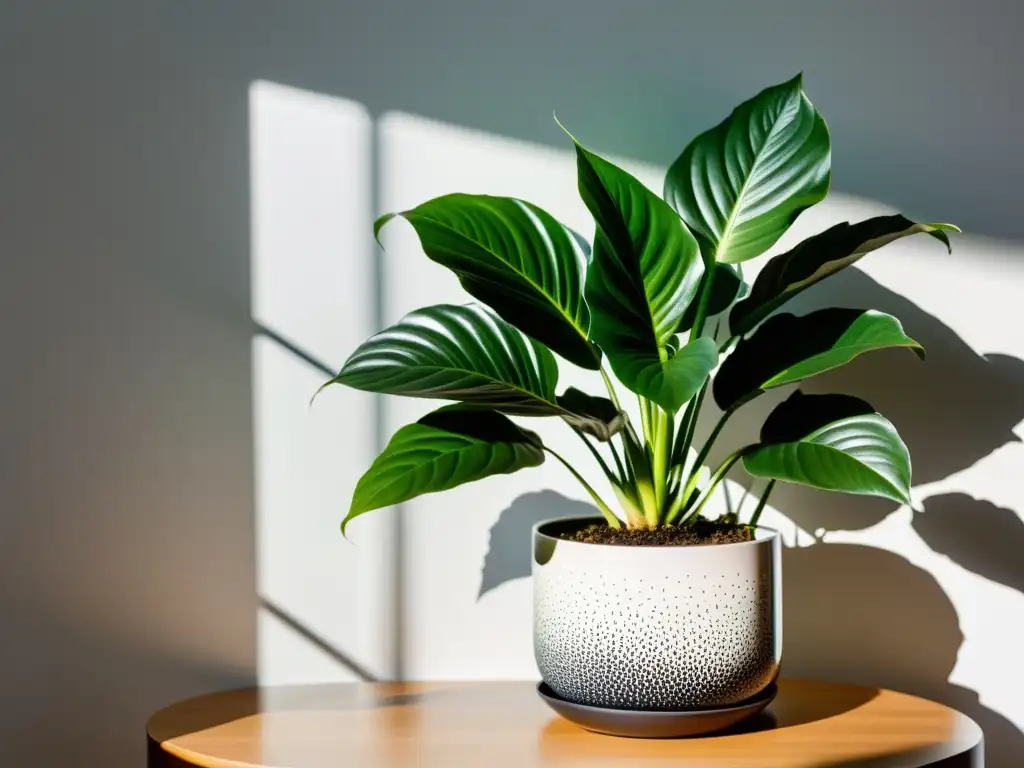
671	642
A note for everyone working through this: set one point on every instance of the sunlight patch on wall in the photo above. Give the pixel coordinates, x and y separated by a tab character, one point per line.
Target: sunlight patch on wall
313	287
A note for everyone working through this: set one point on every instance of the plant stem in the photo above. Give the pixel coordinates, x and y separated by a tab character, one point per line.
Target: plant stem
593	451
618	461
610	387
645	418
760	504
716	478
613	521
702	307
691	483
661	449
690	417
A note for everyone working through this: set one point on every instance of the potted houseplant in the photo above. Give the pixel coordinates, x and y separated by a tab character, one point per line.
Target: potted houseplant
658	302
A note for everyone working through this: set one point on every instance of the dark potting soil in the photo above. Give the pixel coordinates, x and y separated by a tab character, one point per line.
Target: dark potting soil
700	532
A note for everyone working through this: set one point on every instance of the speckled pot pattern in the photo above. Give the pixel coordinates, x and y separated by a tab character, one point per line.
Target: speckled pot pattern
656	628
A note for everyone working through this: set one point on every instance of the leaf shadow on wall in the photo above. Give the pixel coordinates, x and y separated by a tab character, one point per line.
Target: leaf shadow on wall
858	613
952	410
866	615
990	543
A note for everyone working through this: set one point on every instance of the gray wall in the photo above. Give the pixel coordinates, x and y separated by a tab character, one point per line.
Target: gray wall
126	487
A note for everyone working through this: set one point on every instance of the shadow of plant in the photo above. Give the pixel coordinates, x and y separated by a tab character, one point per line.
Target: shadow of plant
952	410
856	613
992	545
863	615
508	555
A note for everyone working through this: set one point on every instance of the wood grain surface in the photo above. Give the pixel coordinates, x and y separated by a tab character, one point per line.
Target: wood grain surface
450	725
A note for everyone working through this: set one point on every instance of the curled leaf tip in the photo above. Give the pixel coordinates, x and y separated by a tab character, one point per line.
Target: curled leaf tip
559	124
320	389
378	225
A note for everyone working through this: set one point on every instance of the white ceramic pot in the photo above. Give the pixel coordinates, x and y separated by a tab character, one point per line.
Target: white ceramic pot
656	628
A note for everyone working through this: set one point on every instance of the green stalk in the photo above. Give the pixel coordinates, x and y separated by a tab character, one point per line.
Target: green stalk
593	451
660	460
634	516
760	504
692	412
702	307
624	465
613	521
618	461
691	483
689	425
674	509
610	387
716	478
645	418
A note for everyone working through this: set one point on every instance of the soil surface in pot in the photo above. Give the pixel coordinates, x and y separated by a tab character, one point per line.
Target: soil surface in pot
703	531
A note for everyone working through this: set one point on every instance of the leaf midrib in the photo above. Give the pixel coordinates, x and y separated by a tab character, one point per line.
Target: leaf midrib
533	395
730	222
526	278
856	349
809	440
471	445
636	272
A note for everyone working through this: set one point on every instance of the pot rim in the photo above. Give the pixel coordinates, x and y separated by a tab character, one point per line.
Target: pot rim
771	535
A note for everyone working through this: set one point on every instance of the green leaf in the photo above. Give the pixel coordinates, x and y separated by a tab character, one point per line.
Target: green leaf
817	257
740	185
517	259
835	443
449	447
597	416
787	348
727	286
644	271
463	353
671	384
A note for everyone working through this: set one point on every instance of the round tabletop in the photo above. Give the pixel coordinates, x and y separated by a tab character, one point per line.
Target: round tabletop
506	724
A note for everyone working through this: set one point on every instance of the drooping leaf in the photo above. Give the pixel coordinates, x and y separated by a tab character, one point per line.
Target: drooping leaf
724	290
817	257
787	348
447	448
517	259
464	353
597	416
644	271
671	384
740	185
835	443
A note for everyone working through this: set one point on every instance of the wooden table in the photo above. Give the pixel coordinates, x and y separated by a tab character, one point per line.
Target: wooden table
493	725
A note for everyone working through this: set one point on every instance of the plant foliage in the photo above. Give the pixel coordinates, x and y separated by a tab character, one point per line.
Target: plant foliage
638	301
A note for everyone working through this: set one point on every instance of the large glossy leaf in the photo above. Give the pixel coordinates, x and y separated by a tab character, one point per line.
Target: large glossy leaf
517	259
463	353
726	287
740	185
787	348
644	271
835	443
597	416
817	257
671	384
449	447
